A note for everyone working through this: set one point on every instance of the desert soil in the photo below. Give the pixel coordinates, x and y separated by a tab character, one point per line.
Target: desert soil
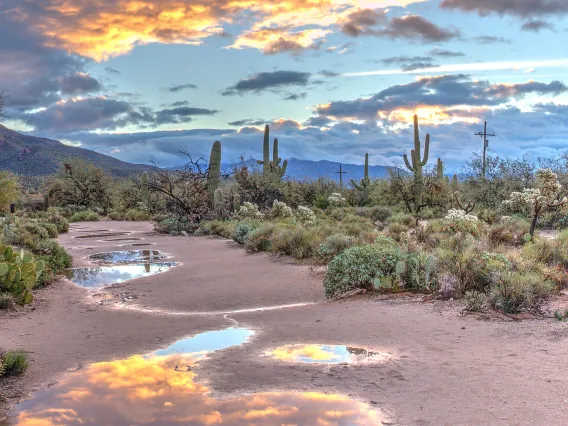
446	369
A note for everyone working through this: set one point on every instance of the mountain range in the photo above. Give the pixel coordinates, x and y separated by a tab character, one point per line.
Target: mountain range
27	155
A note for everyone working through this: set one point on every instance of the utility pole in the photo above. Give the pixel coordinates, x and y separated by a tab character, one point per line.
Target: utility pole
341	173
485	146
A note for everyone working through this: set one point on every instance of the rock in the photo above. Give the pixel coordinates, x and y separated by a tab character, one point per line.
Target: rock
184	234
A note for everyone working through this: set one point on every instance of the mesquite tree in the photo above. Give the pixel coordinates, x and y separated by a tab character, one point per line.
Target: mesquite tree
544	196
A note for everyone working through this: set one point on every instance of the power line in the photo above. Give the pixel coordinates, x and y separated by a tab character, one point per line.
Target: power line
341	173
484	135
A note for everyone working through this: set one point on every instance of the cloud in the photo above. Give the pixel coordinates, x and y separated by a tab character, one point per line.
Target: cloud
268	81
179	88
536	25
249	122
415	27
112	71
410	63
295	96
445	53
486	39
521	8
362	22
101	29
179	104
78	84
101	113
181	114
447	97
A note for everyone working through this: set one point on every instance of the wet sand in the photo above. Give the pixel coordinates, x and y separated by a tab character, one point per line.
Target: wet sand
446	369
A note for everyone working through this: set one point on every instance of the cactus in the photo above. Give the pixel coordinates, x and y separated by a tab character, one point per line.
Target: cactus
214	172
365	184
440	169
418	162
19	274
144	190
272	168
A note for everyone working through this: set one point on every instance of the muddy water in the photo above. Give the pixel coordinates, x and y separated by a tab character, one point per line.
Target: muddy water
128	256
327	354
106	275
162	388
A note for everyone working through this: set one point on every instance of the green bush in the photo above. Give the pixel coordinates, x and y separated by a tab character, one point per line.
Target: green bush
395	230
334	245
416	270
115	215
51	229
222	228
403	219
137	215
84	216
509	231
204	229
55	259
14	363
359	267
515	291
475	301
174	226
56	218
261	238
297	241
242	231
35	229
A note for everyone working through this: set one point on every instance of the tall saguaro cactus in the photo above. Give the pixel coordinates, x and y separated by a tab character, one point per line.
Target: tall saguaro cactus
272	168
418	162
440	169
365	184
214	173
144	190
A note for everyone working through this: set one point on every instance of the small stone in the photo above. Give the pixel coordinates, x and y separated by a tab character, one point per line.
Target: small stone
184	234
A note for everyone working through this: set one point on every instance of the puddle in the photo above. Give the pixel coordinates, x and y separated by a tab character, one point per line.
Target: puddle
111	234
137	245
128	256
327	354
119	239
161	388
105	275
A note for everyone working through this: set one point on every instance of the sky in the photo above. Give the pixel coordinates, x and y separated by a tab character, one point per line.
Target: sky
142	79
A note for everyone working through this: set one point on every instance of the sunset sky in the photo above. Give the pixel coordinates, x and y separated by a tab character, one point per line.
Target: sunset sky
142	79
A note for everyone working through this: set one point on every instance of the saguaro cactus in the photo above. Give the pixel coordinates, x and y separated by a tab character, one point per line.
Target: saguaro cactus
144	191
440	169
272	167
418	162
214	173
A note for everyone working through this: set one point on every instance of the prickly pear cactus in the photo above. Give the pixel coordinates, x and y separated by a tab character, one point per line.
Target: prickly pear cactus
18	274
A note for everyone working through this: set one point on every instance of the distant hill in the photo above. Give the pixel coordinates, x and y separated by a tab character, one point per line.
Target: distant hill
33	156
306	169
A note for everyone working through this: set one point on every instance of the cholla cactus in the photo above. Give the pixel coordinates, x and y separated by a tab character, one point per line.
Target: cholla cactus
249	211
305	216
336	200
459	221
280	210
545	195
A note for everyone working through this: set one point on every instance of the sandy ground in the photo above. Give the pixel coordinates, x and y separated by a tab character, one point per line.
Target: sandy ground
446	369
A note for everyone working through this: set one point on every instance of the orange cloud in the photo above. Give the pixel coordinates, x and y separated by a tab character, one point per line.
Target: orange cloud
161	390
100	29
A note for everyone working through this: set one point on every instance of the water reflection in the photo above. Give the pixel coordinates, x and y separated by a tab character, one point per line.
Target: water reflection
327	354
128	256
104	275
161	389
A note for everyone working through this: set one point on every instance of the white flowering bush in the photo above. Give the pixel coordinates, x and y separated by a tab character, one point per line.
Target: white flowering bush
280	210
546	194
336	200
305	216
249	211
459	221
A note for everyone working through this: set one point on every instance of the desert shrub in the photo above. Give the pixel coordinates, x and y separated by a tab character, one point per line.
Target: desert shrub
280	210
519	290
336	200
395	230
489	216
6	301
174	226
459	221
35	229
222	228
137	215
403	219
549	252
14	363
50	228
116	215
427	213
84	216
55	260
56	218
321	202
385	242
416	270
509	231
18	236
242	231
334	245
261	238
448	285
305	215
248	211
204	229
297	241
359	267
475	301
